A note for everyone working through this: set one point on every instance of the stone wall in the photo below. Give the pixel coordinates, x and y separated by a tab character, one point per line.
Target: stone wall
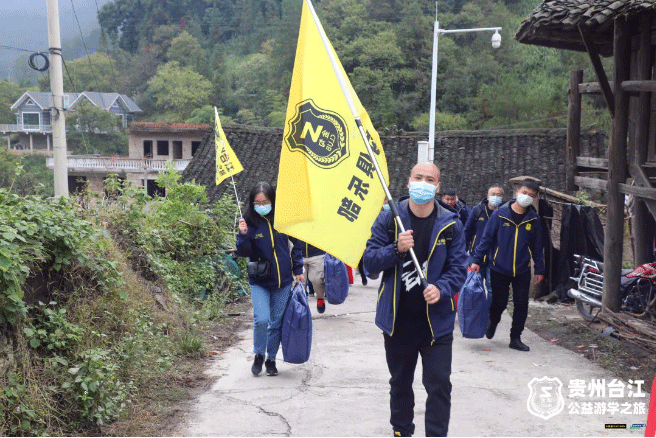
470	160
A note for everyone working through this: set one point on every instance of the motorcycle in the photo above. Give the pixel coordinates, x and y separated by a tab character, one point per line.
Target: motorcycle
636	292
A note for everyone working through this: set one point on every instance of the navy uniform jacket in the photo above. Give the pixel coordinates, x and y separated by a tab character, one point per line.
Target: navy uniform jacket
258	243
511	245
475	225
307	249
446	268
462	210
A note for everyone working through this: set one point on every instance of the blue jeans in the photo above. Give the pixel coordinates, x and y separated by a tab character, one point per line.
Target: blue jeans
268	309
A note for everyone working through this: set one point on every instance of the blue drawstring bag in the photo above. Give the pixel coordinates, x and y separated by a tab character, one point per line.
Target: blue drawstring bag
297	327
473	311
336	280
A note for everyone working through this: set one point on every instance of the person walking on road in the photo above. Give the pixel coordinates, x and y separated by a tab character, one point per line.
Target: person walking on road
418	320
511	237
270	273
474	227
313	259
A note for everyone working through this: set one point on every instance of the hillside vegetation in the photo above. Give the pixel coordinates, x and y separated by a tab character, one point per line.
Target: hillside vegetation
101	296
177	58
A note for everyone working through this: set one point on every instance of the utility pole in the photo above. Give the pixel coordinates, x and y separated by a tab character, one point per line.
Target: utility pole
57	118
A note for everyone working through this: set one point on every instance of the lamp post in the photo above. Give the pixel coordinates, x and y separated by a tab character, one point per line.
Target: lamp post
496	42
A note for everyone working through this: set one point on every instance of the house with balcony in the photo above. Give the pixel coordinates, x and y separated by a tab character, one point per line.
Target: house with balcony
150	146
33	123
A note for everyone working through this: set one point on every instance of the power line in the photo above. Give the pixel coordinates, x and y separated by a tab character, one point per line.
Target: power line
93	73
18	48
104	39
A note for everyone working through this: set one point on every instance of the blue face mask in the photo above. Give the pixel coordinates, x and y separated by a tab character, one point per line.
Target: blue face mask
386	207
263	210
421	192
495	201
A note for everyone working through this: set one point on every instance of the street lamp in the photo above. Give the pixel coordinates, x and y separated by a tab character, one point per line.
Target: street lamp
496	42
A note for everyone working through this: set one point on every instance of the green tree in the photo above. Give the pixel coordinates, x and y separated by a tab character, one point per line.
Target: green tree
96	72
443	122
178	91
206	115
23	73
92	130
26	174
9	93
186	51
87	117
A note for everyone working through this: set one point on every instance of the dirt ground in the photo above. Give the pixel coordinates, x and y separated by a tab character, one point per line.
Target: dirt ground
158	411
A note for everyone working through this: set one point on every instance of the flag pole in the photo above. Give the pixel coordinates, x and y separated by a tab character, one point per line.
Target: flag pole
225	150
358	122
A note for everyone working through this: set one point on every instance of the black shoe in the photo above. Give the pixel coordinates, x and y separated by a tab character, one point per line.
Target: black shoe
321	305
491	328
399	434
364	281
271	369
257	364
517	344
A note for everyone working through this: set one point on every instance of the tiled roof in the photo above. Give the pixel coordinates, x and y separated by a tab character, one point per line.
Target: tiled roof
102	100
554	23
151	126
470	161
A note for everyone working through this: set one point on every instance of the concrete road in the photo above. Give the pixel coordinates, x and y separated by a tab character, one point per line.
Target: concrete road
343	390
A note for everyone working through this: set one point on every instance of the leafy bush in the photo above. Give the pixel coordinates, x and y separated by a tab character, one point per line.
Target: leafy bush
59	381
178	234
53	331
94	385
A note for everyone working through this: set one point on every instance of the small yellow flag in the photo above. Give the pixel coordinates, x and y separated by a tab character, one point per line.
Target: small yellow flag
227	162
328	192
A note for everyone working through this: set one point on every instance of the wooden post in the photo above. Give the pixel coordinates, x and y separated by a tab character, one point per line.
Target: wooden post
593	52
573	127
614	238
643	223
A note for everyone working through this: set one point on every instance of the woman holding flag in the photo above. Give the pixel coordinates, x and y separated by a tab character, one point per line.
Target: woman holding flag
271	269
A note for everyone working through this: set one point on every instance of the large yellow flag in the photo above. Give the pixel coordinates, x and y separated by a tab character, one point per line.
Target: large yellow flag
226	160
328	192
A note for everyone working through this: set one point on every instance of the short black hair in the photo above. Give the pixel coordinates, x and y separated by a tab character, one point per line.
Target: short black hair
530	184
449	192
250	215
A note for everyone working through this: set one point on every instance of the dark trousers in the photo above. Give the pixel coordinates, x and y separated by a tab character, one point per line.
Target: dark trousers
402	354
500	291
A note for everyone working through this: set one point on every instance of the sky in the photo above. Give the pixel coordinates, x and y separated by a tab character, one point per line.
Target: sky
23	24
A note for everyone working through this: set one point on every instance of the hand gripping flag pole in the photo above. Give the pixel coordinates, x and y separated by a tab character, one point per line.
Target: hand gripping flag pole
219	138
358	122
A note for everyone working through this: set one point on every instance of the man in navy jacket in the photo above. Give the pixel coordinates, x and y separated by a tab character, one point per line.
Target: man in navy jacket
475	225
418	319
511	237
450	198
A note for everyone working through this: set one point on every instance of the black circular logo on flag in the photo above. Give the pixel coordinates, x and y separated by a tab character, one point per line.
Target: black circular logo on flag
319	134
